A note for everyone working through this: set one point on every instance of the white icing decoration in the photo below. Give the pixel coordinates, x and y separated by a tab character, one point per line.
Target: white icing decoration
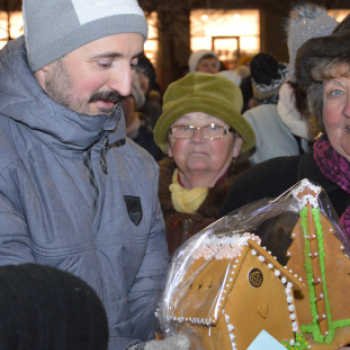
261	258
312	199
229	247
270	266
277	273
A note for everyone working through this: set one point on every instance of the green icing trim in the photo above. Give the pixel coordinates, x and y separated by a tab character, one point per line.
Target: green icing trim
314	327
300	343
319	231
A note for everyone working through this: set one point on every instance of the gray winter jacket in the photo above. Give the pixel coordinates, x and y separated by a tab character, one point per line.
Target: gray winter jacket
77	195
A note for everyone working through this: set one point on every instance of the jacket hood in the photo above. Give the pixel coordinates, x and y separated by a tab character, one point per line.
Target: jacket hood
22	99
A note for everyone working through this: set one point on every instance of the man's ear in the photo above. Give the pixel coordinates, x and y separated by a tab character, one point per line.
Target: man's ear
237	146
40	76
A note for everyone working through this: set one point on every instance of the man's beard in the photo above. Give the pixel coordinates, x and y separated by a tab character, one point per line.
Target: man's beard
60	88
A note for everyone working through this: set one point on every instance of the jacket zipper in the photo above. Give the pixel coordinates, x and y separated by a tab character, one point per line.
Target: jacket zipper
87	161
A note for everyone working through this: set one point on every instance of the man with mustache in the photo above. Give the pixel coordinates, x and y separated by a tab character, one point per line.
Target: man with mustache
74	192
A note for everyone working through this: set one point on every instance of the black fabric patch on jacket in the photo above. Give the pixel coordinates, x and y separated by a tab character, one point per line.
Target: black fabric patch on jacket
134	209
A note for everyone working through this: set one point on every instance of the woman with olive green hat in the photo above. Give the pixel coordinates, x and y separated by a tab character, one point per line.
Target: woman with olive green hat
204	134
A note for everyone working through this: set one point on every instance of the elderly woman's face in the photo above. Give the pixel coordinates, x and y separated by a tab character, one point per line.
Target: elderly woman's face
336	114
208	65
198	154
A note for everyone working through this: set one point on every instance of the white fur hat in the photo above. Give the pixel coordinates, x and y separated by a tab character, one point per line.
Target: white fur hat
197	56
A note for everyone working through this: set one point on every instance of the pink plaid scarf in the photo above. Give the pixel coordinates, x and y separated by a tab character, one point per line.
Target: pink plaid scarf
336	169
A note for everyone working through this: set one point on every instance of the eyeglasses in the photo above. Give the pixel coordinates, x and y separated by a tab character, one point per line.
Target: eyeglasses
211	131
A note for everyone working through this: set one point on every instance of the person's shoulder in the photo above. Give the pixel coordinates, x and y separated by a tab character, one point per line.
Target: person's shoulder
12	145
262	114
136	156
265	180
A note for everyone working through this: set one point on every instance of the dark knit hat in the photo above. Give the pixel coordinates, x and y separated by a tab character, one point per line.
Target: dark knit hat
146	64
317	50
267	77
208	93
44	308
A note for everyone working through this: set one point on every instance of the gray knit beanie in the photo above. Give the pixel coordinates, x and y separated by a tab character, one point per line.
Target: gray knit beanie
54	28
306	21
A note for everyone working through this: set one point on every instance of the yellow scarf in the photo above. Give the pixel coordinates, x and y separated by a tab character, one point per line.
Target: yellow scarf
185	200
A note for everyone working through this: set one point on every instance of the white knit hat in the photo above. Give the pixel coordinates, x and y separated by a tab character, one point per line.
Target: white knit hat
197	56
306	21
54	28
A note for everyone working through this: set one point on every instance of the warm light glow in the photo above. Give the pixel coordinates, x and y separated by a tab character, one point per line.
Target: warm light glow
204	18
339	14
151	45
16	23
232	32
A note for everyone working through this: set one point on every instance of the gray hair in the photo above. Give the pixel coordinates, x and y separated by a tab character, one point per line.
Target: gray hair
323	70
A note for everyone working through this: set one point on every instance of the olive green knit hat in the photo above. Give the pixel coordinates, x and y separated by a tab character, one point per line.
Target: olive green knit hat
201	92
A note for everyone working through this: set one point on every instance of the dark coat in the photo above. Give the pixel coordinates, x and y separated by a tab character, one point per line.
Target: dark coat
181	226
273	177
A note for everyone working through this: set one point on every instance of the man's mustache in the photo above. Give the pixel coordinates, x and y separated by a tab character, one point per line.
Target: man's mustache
106	96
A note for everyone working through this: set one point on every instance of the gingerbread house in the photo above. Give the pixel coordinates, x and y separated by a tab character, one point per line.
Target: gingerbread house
233	290
228	288
316	255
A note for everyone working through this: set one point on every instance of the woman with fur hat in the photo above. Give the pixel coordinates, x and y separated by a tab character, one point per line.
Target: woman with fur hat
205	61
203	133
323	71
306	21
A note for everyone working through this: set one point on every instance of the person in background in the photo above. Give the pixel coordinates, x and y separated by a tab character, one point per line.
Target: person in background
323	71
205	61
306	21
244	61
273	138
138	126
249	100
204	134
152	107
230	74
44	308
75	193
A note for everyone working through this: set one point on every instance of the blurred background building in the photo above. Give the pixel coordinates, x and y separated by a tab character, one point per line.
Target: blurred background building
232	28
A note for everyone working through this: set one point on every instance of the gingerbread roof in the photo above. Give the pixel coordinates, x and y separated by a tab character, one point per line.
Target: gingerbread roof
228	253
